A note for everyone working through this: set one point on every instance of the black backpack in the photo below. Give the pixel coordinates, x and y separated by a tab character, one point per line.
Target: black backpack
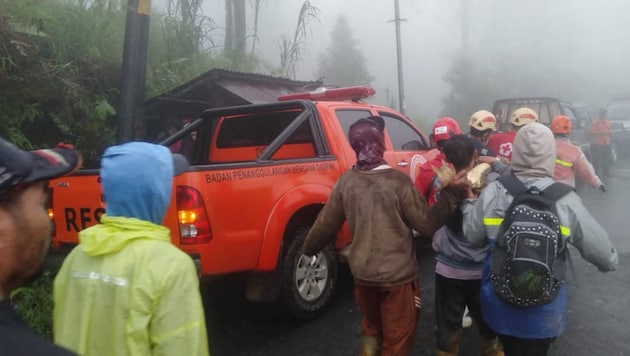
529	257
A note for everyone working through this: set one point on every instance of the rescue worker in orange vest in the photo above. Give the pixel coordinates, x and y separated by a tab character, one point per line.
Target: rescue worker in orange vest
570	159
501	142
600	144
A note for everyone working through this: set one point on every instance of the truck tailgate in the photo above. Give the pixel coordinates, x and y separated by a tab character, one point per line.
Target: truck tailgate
76	204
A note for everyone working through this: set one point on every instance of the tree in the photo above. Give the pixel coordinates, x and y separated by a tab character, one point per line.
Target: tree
235	27
343	63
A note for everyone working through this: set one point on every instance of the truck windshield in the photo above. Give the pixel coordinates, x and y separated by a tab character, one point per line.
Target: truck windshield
619	110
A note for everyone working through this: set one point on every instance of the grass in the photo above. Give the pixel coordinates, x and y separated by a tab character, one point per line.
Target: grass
34	304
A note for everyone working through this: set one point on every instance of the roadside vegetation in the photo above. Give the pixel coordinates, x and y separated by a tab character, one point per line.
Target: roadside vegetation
60	63
34	303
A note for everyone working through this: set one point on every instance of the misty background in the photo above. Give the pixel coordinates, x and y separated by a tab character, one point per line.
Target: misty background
61	60
577	50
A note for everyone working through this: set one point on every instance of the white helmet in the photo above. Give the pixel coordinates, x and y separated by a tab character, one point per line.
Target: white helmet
483	120
523	116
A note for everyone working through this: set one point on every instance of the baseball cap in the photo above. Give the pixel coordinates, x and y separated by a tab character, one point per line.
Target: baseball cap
19	166
374	120
445	128
523	116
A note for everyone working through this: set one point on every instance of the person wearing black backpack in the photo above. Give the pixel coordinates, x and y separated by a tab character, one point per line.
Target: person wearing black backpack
527	220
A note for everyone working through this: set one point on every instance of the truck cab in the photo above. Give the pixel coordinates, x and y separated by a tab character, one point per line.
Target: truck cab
259	176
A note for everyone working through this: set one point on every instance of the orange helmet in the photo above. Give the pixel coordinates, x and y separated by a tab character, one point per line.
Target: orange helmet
561	125
523	116
483	120
445	128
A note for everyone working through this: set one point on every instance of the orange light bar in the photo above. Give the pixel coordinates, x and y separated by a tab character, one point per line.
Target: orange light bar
355	93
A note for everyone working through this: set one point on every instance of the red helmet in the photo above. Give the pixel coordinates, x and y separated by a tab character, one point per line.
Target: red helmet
561	125
445	128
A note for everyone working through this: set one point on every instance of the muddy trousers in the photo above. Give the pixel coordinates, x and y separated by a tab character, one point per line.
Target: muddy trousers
514	346
390	318
451	298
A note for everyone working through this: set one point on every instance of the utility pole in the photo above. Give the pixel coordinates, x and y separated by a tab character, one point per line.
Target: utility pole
465	26
134	67
401	85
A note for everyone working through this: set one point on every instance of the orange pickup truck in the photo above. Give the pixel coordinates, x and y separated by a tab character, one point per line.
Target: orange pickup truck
259	176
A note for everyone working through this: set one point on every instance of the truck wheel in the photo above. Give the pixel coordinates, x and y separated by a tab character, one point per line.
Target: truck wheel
308	285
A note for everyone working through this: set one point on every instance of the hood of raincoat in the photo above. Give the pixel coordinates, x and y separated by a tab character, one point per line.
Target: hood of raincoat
534	151
137	180
369	145
113	233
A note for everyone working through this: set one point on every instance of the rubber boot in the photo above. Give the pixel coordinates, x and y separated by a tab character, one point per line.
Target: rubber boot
491	347
444	353
370	346
453	348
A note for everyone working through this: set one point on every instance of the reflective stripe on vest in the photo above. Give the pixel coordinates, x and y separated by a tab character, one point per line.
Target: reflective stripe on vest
565	231
564	163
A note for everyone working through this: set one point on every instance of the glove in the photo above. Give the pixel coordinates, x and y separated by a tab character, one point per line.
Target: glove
602	187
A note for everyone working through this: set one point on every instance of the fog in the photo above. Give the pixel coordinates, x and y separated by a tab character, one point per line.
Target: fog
573	49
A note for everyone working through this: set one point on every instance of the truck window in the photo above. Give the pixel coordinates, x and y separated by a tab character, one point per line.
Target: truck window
348	117
243	138
403	136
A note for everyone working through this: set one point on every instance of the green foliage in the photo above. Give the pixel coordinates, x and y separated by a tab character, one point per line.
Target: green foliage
60	65
343	63
291	48
35	304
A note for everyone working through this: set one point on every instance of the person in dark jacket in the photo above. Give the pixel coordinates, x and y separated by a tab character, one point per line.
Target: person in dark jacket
25	235
381	206
458	268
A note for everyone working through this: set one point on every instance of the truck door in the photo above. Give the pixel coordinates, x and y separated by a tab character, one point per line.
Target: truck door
411	149
346	118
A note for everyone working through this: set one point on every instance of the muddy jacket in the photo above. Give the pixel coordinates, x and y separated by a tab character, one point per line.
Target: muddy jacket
571	160
533	163
381	207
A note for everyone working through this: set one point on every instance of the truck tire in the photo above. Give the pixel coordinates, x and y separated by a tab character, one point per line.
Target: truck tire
307	288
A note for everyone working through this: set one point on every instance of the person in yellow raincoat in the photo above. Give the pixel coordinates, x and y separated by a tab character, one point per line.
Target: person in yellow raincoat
126	289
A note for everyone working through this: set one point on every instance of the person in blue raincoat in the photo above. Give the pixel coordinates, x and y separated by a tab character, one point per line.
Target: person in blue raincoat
530	330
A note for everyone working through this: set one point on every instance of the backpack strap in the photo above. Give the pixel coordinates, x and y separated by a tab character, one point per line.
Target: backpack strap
557	190
513	185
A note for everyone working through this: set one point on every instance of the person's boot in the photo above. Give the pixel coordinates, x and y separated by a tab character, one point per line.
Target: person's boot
452	348
370	346
491	347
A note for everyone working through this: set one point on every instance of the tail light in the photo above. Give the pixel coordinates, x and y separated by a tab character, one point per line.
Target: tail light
51	213
194	225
